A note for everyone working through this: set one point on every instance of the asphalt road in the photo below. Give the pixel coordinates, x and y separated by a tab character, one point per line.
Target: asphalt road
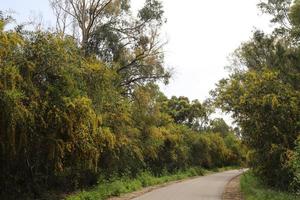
208	187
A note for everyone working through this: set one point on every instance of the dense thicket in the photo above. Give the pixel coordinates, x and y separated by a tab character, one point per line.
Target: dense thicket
263	95
66	118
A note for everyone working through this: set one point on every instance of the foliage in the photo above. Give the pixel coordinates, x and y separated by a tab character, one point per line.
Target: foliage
294	165
254	97
193	114
48	126
65	122
264	98
218	125
125	185
253	189
129	44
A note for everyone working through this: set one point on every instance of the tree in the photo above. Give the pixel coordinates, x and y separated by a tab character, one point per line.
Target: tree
263	94
131	46
284	13
65	122
47	124
193	114
264	100
86	13
279	10
218	125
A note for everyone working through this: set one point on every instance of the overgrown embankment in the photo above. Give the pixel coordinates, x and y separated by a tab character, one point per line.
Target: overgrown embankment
253	189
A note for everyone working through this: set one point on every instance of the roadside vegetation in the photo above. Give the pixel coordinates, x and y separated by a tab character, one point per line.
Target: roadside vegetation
77	111
263	95
254	189
124	185
80	105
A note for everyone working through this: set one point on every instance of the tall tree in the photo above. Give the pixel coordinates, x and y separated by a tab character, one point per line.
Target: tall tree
264	99
130	45
86	13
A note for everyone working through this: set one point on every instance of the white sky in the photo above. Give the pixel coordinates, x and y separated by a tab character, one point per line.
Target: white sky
201	35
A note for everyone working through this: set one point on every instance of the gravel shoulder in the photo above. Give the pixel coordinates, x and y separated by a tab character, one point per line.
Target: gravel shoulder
233	190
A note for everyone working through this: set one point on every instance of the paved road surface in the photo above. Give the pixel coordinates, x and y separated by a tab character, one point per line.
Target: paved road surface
203	188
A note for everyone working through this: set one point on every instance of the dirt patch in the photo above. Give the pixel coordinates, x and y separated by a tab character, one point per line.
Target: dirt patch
233	190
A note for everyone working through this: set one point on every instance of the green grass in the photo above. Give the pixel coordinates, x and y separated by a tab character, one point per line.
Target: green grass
124	185
254	190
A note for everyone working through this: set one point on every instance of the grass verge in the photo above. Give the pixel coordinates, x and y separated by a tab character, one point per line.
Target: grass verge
116	187
252	189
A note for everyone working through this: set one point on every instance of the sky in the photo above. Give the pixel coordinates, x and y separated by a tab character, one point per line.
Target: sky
200	34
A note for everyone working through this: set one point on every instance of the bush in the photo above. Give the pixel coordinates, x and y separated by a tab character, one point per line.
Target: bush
294	165
253	189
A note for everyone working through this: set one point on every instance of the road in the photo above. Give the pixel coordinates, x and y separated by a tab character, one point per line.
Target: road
203	188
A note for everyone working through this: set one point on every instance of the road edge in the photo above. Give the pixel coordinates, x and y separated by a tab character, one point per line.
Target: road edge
232	190
145	190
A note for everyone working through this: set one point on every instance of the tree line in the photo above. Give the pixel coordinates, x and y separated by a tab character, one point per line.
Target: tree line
83	102
263	96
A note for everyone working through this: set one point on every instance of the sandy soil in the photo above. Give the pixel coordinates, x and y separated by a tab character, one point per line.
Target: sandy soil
232	190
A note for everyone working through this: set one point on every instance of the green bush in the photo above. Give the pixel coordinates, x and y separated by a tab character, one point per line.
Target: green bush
254	189
294	165
118	186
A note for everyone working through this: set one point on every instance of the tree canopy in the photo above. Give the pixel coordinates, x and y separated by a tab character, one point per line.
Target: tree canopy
264	98
131	45
66	120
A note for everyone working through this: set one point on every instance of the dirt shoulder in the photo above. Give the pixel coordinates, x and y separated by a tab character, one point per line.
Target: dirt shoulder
233	190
